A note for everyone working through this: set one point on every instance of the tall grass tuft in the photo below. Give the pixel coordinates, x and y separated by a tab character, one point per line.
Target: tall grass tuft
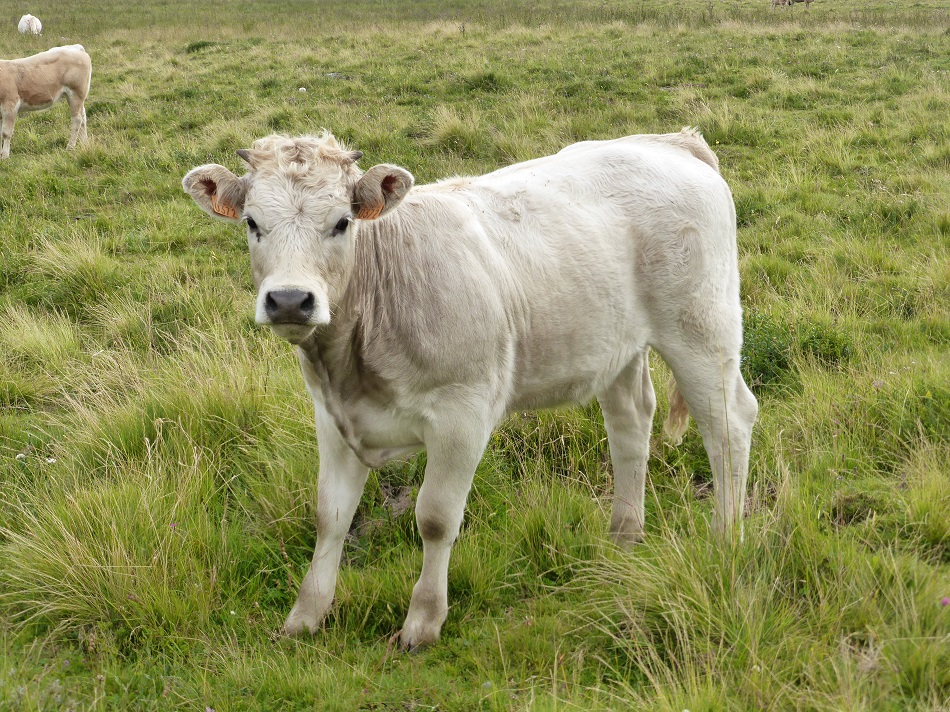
708	626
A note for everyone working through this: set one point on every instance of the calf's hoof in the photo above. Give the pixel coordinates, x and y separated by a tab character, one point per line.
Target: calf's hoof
427	612
626	533
299	623
415	637
729	531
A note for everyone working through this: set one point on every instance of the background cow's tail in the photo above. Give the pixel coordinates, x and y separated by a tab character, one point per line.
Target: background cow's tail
678	419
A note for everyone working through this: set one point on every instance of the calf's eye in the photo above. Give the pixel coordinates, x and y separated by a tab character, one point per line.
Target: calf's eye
341	226
253	228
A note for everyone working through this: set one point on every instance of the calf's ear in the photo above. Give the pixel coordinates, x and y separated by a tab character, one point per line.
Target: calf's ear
380	190
217	191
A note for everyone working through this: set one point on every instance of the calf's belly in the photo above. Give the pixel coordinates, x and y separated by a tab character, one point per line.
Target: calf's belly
31	106
551	377
38	97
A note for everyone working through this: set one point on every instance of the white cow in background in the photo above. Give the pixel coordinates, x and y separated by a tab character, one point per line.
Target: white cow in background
422	316
30	25
38	82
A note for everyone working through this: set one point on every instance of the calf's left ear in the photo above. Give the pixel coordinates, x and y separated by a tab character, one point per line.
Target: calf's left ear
380	190
217	191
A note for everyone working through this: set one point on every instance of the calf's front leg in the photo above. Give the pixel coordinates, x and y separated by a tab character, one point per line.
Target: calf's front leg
339	488
453	453
7	120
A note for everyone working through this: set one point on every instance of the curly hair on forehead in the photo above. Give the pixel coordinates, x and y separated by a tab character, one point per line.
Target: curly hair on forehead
297	156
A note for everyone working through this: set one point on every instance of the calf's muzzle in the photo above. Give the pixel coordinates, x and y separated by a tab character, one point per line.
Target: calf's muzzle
289	306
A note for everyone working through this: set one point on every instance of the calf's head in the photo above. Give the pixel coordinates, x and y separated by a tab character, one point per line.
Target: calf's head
302	200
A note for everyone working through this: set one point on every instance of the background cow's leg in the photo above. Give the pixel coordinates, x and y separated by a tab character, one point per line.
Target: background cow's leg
7	120
340	486
77	112
452	456
628	406
725	410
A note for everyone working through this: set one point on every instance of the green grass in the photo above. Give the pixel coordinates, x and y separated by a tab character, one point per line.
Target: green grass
157	460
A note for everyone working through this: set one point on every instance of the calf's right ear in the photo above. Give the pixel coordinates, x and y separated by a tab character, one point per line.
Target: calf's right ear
217	191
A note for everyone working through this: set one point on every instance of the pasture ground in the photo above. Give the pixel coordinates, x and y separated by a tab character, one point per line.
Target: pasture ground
157	462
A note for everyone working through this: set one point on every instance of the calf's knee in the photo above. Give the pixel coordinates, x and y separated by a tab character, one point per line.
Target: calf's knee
433	528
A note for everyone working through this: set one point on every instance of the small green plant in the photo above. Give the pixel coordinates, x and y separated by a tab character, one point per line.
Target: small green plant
772	348
193	47
767	350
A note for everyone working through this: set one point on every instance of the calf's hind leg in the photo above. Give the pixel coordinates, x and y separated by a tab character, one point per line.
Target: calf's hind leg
725	411
77	112
628	405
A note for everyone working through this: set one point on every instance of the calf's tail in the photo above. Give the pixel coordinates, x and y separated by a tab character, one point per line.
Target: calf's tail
678	419
692	140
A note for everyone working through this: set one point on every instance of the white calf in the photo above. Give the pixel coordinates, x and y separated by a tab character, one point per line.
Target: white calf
422	316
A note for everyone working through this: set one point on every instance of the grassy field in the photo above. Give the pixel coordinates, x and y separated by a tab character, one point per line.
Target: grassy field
157	460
